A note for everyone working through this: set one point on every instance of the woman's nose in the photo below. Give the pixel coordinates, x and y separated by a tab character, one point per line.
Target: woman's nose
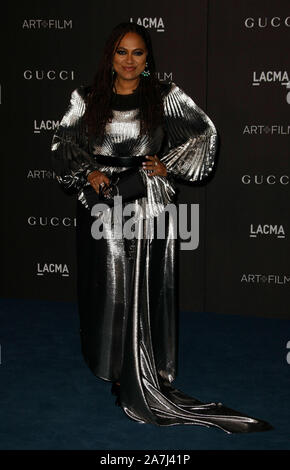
129	59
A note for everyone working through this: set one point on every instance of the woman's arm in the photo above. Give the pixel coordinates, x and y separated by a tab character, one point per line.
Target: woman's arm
70	155
191	137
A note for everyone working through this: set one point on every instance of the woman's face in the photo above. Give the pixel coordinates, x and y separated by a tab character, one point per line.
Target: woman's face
129	59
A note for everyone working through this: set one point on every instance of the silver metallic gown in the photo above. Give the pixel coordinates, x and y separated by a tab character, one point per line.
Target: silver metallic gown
127	287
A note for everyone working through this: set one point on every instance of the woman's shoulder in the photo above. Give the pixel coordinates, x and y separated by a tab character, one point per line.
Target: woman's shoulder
80	93
167	88
84	90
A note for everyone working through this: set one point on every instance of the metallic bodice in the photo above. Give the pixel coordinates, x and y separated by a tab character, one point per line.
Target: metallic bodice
186	145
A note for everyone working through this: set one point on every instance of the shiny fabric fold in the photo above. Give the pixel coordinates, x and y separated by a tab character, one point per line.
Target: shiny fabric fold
192	138
150	397
127	286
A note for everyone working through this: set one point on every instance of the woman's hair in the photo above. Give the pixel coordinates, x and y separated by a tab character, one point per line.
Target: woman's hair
99	111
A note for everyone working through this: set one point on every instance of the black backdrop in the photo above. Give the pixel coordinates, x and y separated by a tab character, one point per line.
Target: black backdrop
231	57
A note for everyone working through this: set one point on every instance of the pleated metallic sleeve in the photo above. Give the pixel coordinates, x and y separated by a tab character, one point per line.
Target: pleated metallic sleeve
191	137
70	156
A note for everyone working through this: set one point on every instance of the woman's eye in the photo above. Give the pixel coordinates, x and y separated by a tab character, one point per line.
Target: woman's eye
124	52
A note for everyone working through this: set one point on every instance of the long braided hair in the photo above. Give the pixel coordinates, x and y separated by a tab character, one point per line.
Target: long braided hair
98	109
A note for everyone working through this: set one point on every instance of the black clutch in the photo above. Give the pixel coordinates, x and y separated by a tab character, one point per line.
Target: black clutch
127	184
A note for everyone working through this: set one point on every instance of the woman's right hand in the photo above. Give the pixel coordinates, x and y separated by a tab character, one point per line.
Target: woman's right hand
95	178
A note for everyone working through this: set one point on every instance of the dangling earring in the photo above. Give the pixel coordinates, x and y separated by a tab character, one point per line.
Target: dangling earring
146	73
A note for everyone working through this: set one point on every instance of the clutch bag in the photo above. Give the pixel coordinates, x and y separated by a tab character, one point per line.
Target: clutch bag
127	184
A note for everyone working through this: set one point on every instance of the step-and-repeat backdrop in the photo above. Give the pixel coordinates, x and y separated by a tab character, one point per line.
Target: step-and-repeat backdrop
232	58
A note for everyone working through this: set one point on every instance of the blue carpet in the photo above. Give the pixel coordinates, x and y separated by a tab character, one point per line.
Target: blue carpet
51	400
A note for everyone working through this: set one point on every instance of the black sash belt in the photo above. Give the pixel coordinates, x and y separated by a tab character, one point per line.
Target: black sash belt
112	160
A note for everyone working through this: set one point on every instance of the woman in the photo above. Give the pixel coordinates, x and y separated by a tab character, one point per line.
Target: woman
127	286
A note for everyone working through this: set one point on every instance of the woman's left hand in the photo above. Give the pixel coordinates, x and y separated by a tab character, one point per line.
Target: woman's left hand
155	166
